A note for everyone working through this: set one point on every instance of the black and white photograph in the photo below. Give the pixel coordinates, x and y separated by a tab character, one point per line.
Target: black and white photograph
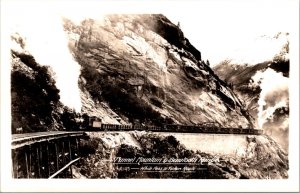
176	91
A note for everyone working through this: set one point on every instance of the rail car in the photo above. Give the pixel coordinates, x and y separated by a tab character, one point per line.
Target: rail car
96	125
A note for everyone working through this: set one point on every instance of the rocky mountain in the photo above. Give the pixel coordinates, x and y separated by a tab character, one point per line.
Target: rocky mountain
133	68
144	68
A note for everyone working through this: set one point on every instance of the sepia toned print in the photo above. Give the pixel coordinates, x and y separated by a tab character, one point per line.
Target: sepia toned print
129	96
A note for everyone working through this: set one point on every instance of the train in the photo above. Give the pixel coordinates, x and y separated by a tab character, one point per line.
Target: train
96	125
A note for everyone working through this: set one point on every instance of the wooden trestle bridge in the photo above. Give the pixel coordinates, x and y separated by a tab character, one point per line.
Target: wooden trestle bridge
44	154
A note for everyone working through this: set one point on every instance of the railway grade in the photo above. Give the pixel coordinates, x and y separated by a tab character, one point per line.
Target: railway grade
177	129
19	140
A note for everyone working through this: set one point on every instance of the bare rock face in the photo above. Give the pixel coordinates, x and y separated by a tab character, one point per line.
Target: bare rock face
146	71
134	69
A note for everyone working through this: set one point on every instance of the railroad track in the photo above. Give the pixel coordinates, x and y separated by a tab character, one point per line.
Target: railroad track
19	140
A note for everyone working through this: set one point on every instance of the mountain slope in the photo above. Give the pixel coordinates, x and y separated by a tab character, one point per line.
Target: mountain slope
147	71
133	69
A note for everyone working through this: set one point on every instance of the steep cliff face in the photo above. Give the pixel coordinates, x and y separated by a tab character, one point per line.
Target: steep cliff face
145	70
133	68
